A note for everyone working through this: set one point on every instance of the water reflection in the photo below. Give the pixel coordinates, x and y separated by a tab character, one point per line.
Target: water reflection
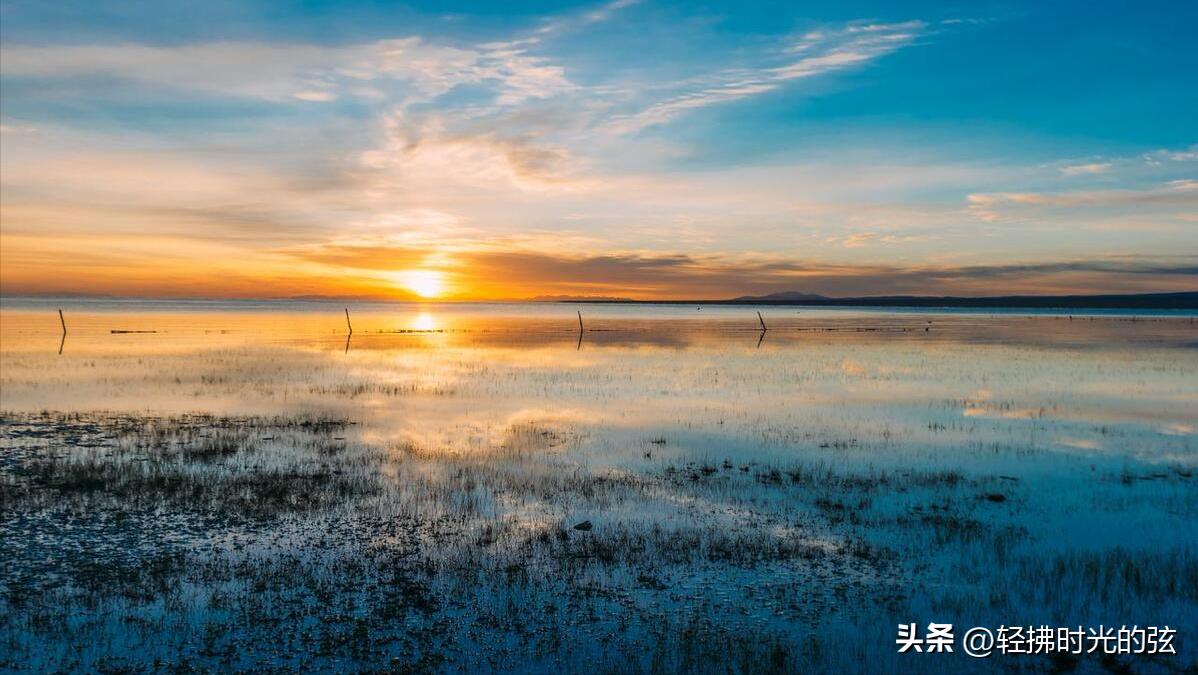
425	322
885	385
991	451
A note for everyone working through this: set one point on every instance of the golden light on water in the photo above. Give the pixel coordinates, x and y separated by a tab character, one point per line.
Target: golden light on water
425	321
424	283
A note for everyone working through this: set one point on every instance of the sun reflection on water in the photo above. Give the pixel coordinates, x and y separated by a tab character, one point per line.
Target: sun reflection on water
425	321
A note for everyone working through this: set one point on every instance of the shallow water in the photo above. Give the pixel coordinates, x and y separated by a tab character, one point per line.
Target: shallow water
1086	425
1105	385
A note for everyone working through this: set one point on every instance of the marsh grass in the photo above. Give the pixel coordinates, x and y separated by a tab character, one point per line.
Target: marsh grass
415	510
269	515
194	463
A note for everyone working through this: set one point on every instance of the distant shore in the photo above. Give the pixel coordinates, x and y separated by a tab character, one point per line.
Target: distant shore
1184	300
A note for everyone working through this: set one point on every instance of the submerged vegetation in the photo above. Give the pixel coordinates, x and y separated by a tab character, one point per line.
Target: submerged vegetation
643	510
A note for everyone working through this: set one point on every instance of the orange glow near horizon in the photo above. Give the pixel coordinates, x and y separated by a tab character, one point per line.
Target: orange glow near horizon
424	283
174	267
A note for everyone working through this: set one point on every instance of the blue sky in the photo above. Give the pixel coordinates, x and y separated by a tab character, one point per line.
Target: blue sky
643	148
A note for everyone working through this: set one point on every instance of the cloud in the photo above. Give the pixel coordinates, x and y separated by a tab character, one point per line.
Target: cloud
1138	169
18	129
282	72
424	151
863	239
992	206
501	269
587	17
819	53
859	240
315	96
415	68
1086	169
1157	157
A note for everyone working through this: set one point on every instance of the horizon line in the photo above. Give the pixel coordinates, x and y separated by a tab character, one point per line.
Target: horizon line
771	298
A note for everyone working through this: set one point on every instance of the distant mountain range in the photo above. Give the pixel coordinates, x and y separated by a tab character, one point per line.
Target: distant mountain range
1186	300
785	296
1183	300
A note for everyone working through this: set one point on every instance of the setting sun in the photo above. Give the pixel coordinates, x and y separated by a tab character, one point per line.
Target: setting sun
425	283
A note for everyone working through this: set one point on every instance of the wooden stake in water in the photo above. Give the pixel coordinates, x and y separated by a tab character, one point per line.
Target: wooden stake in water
63	322
347	323
579	320
763	328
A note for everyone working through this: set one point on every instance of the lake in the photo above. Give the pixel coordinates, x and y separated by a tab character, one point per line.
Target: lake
225	486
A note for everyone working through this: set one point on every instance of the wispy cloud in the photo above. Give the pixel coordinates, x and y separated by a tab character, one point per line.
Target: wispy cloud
17	129
812	54
1156	157
993	206
424	151
602	13
1086	169
281	72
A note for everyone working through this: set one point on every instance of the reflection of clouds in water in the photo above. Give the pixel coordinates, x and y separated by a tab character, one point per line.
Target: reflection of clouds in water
851	367
1080	443
1017	414
462	430
701	386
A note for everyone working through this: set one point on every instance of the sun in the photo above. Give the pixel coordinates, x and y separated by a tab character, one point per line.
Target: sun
425	283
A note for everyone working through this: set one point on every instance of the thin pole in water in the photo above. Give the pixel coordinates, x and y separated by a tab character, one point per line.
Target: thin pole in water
579	320
347	323
763	328
63	342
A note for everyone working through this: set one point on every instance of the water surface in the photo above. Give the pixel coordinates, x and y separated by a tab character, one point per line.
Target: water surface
972	450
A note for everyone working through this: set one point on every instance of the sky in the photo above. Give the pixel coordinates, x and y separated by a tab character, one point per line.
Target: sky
650	149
